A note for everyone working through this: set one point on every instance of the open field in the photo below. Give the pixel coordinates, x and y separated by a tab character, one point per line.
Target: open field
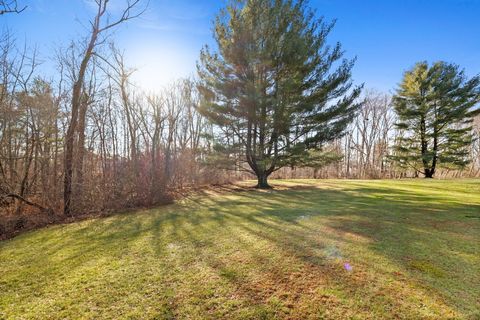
329	249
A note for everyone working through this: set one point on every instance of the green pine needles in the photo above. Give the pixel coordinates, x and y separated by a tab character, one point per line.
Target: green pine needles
435	105
274	88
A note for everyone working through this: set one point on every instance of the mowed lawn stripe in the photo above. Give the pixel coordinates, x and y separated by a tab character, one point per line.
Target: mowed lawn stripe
309	249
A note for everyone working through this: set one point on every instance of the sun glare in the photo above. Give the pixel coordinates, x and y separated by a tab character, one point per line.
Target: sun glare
159	66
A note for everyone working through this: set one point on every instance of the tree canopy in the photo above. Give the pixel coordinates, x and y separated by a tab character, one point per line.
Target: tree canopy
274	87
435	105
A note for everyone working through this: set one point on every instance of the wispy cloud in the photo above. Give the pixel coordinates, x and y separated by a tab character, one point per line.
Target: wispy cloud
172	27
188	12
43	7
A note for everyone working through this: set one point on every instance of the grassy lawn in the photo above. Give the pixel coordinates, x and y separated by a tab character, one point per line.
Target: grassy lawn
324	249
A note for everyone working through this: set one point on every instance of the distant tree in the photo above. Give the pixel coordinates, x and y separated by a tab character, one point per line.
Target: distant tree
435	107
369	136
270	87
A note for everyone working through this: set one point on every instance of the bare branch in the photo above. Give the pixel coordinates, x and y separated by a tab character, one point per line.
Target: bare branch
10	7
127	14
30	203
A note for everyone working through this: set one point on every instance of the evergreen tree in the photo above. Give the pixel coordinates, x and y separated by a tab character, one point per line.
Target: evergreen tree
435	106
272	87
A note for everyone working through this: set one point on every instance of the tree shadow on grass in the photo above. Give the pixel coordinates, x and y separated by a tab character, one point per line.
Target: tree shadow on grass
281	252
403	227
400	226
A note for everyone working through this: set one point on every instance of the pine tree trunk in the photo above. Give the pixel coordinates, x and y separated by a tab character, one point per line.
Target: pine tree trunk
263	181
428	173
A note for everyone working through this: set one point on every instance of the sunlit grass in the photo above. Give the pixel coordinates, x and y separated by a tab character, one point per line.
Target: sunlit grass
413	248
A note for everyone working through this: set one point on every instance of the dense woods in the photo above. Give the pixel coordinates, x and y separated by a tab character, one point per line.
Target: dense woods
89	140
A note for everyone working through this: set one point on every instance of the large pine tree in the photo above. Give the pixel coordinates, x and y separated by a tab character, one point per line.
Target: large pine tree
275	88
435	106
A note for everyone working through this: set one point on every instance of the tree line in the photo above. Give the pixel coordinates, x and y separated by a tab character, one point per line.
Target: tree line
89	139
284	98
274	100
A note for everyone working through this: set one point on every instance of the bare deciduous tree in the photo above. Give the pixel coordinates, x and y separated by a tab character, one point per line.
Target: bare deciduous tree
100	24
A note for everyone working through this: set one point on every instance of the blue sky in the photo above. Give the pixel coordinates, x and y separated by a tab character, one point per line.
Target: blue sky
386	36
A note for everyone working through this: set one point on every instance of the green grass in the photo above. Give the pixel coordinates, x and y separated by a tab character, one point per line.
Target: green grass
414	248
